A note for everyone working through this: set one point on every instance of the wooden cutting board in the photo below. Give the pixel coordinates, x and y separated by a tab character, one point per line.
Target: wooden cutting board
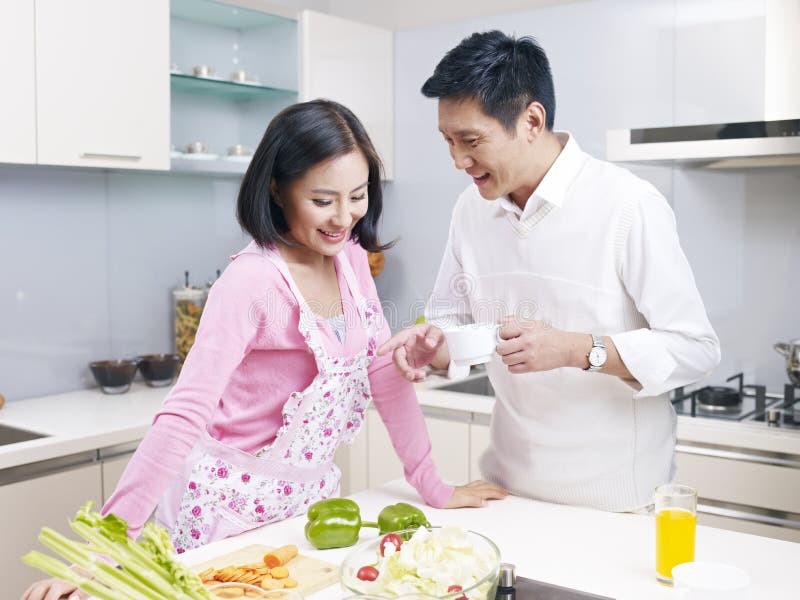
310	574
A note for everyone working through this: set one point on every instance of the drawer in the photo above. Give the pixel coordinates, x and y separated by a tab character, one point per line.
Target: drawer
721	475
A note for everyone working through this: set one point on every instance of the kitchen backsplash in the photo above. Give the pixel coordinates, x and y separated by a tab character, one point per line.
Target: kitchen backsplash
89	259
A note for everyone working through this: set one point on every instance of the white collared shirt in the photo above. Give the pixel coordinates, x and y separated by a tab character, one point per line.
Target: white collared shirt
594	251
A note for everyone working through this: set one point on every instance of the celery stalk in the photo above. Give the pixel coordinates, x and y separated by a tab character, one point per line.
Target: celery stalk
146	569
56	568
149	568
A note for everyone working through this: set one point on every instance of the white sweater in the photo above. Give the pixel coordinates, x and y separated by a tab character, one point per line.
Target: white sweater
594	251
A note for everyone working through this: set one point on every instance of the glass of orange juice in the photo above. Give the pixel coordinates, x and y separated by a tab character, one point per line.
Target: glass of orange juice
676	521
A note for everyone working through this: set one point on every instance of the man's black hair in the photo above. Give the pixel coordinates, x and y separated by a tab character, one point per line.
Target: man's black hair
504	73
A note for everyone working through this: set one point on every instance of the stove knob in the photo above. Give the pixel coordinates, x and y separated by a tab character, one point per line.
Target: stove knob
773	417
508	578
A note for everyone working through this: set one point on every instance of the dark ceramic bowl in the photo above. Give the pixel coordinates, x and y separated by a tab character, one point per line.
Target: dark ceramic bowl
158	370
114	376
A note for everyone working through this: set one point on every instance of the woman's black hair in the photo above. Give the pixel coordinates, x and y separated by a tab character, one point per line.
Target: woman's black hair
504	73
298	138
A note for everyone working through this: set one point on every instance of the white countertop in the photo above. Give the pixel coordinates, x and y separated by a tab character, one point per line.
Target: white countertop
78	421
88	420
604	553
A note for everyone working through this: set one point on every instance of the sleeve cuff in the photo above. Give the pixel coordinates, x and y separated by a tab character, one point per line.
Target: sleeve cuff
438	496
647	359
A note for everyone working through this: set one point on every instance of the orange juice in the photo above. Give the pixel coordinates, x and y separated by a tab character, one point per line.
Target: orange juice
675	529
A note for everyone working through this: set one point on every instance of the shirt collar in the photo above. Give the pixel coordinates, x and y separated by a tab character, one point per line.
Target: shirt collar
553	187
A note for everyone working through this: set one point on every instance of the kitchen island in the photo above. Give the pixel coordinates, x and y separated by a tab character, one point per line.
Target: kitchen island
90	436
603	553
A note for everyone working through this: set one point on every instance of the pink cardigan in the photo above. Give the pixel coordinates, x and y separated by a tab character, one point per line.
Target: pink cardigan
247	358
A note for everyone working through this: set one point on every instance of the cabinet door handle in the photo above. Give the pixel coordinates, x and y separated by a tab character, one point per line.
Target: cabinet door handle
770	517
105	156
740	454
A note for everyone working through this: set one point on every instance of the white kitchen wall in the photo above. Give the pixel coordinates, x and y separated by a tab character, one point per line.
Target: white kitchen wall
87	258
88	262
617	64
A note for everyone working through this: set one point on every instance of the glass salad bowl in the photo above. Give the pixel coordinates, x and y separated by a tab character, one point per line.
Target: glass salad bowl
439	562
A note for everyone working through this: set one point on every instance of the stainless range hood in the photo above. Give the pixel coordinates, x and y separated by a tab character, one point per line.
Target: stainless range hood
720	146
771	141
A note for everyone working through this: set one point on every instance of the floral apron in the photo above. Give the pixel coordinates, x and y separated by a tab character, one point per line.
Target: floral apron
222	491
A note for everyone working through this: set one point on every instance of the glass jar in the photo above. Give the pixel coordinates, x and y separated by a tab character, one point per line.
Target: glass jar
187	307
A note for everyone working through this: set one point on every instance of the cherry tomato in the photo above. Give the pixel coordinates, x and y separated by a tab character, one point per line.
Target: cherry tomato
454	588
367	573
391	538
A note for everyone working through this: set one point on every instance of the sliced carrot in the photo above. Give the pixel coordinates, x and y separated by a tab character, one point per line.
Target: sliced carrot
279	572
271	584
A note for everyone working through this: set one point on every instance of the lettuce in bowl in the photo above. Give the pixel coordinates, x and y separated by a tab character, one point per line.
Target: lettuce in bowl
440	562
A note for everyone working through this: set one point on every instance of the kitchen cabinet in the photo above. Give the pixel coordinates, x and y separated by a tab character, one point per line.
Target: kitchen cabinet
113	462
51	498
286	57
449	434
18	66
352	460
227	37
478	443
102	87
351	63
742	490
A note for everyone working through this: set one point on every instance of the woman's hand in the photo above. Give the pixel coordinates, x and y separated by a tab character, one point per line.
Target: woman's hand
475	494
53	589
414	347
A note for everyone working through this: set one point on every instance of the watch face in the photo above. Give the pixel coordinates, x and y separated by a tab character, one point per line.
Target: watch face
597	357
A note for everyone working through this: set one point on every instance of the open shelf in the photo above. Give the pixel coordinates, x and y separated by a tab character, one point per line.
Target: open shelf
220	166
221	88
223	14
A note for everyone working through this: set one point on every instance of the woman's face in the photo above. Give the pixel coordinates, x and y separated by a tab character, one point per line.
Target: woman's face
323	206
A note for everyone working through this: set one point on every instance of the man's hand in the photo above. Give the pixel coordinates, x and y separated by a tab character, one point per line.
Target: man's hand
414	348
537	346
475	493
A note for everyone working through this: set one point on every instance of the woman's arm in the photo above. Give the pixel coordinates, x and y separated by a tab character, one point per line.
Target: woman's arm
222	340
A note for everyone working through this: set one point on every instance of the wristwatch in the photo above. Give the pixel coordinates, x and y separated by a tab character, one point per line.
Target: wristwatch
597	355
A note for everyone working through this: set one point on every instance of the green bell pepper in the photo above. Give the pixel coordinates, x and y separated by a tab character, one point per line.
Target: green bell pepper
401	516
334	523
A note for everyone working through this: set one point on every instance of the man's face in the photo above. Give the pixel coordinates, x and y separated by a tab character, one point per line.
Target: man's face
481	146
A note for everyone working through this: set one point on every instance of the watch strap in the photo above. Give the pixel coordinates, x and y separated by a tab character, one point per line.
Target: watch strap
597	342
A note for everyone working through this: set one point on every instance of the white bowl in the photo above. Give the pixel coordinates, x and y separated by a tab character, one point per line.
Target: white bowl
709	581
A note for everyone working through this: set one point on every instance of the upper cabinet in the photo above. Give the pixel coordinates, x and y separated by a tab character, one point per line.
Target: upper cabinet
235	66
102	83
17	64
184	85
232	69
351	63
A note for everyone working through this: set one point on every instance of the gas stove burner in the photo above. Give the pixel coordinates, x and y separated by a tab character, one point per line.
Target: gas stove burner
718	399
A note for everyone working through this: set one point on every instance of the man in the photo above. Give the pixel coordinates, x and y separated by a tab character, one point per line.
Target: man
602	315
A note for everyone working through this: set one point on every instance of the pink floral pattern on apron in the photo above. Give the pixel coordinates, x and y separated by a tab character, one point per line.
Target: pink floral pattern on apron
223	491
